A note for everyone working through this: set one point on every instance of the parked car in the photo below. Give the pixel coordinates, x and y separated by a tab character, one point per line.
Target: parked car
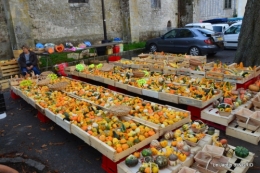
193	41
199	25
231	35
221	27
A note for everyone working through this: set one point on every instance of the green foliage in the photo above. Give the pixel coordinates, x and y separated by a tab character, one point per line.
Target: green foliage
134	45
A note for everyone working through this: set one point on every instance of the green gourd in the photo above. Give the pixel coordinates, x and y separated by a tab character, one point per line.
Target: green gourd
131	161
241	152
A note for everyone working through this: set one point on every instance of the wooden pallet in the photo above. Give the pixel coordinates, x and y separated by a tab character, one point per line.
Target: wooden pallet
211	114
241	133
9	68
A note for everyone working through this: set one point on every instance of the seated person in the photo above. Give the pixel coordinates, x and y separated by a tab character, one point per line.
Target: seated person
28	61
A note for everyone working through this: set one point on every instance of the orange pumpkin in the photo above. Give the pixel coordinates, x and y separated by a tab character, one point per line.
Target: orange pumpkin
59	48
50	50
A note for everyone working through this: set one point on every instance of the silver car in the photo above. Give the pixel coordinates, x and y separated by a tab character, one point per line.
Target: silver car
193	41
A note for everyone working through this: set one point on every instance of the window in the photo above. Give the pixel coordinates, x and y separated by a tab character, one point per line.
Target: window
78	1
217	28
233	30
184	33
156	3
171	34
227	4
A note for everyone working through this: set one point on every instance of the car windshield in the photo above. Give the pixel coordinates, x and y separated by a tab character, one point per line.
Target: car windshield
217	28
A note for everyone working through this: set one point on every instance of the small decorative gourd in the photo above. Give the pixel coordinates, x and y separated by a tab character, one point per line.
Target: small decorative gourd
161	161
155	144
173	160
180	144
186	150
148	159
131	161
168	135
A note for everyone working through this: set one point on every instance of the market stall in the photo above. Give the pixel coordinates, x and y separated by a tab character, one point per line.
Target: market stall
136	134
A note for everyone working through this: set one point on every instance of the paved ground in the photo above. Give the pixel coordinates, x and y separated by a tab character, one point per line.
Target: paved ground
22	134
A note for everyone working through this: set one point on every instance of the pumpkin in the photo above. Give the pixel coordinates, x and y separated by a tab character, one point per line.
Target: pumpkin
131	161
168	135
161	161
173	158
241	152
180	144
148	159
146	152
186	150
59	48
50	50
155	144
164	143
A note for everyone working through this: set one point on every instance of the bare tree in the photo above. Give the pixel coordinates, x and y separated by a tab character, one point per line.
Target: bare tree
248	50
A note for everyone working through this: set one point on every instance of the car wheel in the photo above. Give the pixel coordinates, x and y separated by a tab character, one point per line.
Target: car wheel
194	51
153	48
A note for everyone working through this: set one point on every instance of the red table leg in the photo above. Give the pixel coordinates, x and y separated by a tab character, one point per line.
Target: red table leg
42	117
14	96
195	112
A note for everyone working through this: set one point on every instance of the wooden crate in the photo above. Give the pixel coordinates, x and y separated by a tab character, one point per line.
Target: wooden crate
90	76
50	115
242	133
77	131
214	75
150	93
161	130
197	74
183	71
198	103
66	125
31	102
5	83
9	68
121	85
239	79
111	153
134	89
40	108
169	70
235	164
168	97
123	168
211	114
109	81
83	75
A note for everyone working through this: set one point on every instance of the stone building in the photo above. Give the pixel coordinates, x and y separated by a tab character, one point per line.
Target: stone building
58	21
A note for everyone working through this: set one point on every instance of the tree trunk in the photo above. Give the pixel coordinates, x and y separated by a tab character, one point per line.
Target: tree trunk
248	50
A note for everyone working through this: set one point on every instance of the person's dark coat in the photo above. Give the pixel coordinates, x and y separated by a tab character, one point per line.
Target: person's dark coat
32	57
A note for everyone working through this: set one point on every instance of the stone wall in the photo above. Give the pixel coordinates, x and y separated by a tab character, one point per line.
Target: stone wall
153	21
5	45
58	21
205	9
